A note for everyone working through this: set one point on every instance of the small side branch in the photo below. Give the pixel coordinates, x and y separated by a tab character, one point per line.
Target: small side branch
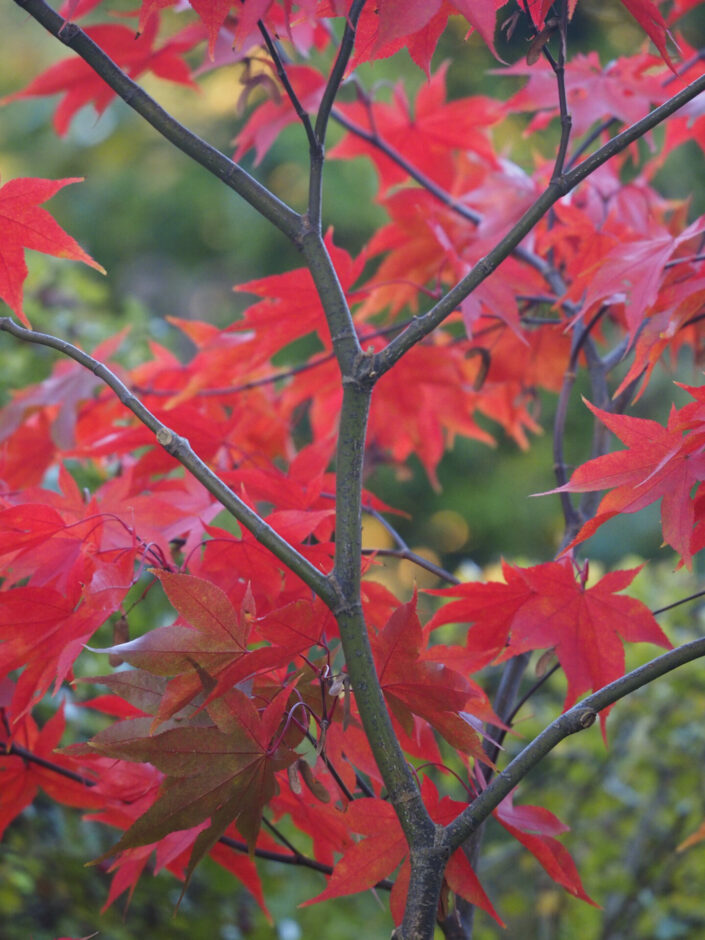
288	87
559	71
179	448
407	554
577	718
315	191
556	189
338	71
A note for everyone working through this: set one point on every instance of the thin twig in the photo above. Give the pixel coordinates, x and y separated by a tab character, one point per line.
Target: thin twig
345	50
403	550
590	139
558	67
347	44
296	859
288	87
336	776
688	260
279	835
407	554
570	515
683	600
16	750
226	390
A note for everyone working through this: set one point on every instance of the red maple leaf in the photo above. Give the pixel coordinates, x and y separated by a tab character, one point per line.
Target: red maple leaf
625	89
59	395
535	827
629	269
545	607
659	463
390	25
290	306
81	85
215	636
44	630
22	778
24	225
649	17
681	7
235	786
212	13
585	626
414	683
645	12
490	608
207	649
384	848
432	129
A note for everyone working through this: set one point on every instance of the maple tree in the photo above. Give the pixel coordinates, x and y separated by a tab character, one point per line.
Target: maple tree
291	682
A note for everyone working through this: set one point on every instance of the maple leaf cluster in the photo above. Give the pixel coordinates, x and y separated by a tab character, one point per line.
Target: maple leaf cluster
243	703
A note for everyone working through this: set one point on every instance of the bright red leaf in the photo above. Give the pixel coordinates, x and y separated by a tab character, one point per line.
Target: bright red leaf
24	225
535	828
649	17
384	848
413	684
80	85
22	778
250	679
545	607
659	463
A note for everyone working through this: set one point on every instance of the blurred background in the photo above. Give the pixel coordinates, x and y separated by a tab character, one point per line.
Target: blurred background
174	245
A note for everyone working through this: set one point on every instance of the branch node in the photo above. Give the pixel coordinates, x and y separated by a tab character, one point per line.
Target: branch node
342	605
586	718
562	184
68	33
365	371
165	437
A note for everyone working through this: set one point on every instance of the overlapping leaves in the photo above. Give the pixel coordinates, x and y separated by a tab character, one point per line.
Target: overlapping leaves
218	703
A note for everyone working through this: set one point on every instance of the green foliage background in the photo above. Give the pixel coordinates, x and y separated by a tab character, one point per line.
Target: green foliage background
174	245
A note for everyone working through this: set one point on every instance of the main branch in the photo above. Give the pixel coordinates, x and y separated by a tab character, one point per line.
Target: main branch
428	851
